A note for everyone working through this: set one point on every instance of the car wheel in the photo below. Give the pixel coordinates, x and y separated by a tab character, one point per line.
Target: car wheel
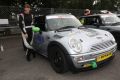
57	59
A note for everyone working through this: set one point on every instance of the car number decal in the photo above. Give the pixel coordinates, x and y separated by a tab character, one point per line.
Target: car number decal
39	39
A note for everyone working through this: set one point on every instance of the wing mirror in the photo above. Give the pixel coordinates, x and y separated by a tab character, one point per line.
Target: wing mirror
36	29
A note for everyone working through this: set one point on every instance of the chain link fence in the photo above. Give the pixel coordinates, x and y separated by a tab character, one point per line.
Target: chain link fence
11	13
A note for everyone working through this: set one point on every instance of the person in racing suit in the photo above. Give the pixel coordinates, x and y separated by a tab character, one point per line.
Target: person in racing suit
25	22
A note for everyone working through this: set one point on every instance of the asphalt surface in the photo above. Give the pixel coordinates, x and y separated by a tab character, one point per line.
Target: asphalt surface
13	66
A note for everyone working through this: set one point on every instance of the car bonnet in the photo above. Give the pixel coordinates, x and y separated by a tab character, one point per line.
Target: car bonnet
88	37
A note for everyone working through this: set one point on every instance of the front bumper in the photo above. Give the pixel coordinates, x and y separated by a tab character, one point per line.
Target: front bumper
91	62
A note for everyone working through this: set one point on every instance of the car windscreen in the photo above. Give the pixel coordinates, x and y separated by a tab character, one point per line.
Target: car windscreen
110	19
57	23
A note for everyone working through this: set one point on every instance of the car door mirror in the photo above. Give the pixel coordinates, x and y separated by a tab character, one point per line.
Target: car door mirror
36	29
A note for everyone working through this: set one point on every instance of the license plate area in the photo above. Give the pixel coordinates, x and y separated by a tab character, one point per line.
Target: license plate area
104	56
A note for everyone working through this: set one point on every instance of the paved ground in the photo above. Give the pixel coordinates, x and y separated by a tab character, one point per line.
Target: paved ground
13	66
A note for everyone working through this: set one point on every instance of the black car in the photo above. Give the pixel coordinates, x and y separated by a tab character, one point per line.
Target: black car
109	22
118	15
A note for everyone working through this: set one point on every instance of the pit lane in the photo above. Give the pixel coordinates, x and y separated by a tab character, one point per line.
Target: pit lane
13	66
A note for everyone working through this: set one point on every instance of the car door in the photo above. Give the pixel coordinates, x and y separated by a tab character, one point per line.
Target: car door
40	40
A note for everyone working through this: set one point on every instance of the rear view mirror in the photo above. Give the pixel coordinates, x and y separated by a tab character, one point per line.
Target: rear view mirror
36	29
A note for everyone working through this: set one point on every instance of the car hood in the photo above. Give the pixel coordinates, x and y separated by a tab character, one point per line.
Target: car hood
88	37
114	27
82	33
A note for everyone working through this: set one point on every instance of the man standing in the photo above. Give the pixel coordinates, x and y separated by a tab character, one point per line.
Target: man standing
25	22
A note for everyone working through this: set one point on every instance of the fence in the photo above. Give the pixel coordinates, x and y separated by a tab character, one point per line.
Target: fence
11	13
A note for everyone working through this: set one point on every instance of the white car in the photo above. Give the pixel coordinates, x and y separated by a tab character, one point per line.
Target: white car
68	45
109	22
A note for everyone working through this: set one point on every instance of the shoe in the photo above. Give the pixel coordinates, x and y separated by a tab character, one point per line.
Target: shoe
28	55
33	53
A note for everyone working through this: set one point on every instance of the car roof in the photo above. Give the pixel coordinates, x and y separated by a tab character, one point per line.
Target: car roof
60	15
98	15
57	14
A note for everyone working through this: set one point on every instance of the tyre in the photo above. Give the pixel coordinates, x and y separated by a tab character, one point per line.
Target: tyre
57	59
29	54
118	46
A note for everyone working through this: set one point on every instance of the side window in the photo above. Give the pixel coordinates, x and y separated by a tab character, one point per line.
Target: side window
40	22
88	21
82	20
96	20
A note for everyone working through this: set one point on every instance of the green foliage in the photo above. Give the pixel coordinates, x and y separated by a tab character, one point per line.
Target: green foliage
70	4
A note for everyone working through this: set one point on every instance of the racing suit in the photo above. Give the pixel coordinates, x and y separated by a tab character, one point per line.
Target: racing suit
26	20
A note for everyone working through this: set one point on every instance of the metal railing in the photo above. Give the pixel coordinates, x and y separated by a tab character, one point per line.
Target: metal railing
11	13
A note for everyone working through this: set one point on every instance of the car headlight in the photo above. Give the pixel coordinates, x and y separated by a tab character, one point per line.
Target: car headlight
75	45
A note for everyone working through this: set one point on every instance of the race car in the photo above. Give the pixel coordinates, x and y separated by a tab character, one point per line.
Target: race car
68	45
118	15
109	22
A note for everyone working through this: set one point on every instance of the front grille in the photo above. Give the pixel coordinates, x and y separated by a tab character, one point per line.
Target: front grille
101	46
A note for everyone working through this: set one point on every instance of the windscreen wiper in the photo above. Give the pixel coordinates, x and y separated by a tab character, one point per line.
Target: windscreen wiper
82	27
66	28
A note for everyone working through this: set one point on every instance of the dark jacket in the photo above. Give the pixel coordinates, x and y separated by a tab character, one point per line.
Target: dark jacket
27	21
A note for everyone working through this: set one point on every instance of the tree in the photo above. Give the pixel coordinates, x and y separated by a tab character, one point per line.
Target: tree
70	4
105	5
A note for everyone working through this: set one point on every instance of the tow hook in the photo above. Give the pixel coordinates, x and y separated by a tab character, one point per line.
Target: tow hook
94	64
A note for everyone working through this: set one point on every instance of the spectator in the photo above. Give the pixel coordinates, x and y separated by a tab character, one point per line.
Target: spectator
87	12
